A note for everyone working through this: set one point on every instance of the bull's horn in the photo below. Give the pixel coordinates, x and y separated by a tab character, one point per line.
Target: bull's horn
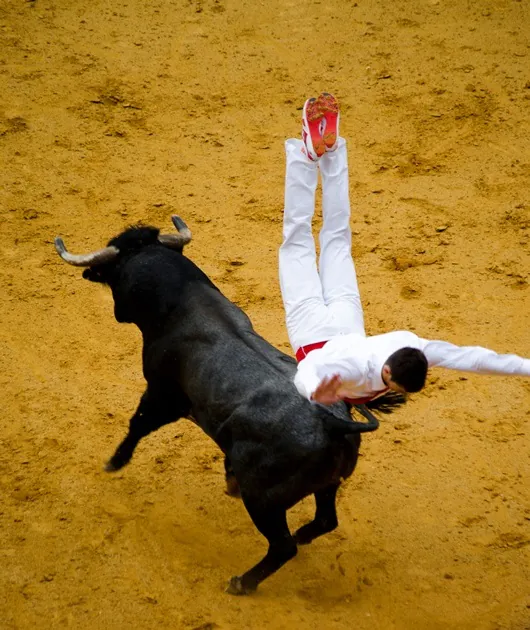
176	240
99	257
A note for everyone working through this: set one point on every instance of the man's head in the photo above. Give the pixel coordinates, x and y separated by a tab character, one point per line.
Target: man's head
405	370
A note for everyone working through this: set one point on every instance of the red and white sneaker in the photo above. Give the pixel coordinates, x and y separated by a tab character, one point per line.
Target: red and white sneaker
328	106
312	127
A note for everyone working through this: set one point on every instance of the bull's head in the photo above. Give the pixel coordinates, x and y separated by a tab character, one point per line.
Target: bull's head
137	297
108	254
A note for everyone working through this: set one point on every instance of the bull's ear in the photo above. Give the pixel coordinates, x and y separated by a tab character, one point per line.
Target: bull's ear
93	275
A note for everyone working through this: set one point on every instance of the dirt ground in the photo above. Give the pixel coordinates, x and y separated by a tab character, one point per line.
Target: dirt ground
118	112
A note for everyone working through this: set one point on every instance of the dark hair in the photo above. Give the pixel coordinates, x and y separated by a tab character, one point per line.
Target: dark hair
409	368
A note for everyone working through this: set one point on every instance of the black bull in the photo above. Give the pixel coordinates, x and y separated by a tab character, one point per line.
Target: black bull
202	359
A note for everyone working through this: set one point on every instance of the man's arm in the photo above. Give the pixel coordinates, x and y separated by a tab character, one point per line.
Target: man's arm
328	390
322	382
474	359
324	391
306	379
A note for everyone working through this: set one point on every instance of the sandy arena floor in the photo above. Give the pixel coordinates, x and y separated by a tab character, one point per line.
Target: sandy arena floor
118	112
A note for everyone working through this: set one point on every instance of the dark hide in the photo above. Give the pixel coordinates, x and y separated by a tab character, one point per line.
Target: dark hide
202	359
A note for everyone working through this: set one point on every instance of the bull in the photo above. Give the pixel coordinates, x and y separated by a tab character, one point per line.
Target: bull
203	360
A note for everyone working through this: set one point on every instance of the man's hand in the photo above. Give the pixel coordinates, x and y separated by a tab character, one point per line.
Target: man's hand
327	392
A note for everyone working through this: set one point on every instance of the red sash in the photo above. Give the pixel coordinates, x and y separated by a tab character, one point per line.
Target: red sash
302	353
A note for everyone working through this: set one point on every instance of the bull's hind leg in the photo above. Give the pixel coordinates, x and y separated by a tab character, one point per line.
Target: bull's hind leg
154	411
325	518
272	524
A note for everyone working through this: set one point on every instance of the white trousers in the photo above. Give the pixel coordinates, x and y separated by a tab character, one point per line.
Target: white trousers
320	303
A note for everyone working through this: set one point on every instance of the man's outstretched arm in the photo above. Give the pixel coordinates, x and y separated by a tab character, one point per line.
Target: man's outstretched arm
474	359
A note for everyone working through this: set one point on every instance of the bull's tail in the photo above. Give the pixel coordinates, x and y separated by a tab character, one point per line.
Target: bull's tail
336	424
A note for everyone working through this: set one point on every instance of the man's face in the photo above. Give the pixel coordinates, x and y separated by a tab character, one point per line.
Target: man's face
386	375
395	387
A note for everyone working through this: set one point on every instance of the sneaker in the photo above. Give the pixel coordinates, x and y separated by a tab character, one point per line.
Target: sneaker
328	106
312	126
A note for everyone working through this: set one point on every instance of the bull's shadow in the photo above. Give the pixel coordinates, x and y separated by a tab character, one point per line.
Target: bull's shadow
203	360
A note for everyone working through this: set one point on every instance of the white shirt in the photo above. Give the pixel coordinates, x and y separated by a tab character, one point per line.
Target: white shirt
358	360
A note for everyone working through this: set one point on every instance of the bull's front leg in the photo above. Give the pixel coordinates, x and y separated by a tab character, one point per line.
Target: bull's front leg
153	412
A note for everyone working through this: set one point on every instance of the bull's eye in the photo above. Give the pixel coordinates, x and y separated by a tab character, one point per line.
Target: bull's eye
92	275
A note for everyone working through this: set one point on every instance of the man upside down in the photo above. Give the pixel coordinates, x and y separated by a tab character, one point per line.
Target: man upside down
324	315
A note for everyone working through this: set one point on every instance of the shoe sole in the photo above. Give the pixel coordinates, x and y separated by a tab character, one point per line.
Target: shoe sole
328	107
312	119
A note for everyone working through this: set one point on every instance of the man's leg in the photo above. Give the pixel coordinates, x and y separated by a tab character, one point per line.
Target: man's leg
305	311
337	270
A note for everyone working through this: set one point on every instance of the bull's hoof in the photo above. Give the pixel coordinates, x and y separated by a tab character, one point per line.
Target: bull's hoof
303	539
235	587
113	465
